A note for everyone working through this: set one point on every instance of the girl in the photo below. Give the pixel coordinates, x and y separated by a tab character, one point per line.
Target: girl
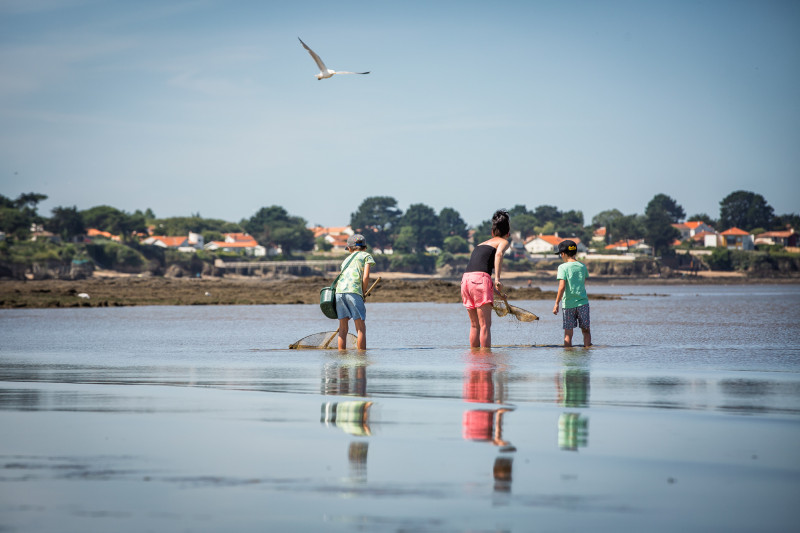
477	287
350	291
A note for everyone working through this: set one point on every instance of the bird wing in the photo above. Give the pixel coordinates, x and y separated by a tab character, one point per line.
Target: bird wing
316	58
345	72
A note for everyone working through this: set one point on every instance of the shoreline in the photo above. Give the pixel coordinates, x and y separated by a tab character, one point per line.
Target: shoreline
119	290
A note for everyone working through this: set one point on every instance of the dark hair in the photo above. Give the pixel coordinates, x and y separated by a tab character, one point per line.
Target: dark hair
500	224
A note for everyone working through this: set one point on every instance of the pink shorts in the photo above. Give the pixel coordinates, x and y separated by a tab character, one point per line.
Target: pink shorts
477	289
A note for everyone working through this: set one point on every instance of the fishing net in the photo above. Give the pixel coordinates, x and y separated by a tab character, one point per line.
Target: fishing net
504	308
325	340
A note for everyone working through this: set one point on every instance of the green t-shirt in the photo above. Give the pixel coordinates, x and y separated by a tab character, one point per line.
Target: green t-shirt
575	274
350	280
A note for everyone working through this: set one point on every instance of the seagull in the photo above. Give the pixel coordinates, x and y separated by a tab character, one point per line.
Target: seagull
324	72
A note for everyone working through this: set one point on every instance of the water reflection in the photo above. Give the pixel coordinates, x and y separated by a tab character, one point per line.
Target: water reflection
348	378
572	390
486	381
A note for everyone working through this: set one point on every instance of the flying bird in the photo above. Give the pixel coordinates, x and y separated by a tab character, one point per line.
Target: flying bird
324	72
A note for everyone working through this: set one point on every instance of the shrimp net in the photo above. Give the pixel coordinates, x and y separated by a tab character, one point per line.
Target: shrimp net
503	308
325	340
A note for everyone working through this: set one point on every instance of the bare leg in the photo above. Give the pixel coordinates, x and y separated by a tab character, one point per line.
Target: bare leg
474	329
361	329
568	338
485	321
587	337
343	328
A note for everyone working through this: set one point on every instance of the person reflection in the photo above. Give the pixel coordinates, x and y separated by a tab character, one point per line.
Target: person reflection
484	384
352	416
572	390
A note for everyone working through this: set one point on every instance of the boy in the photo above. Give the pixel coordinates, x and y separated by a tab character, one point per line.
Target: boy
571	277
350	291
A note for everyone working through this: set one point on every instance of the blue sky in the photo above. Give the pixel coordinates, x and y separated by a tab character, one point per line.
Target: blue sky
211	106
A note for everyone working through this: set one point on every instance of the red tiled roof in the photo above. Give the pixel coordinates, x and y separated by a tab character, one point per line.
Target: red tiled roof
734	231
170	242
781	234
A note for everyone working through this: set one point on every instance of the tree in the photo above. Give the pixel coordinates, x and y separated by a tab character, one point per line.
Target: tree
702	217
67	222
273	226
523	221
745	210
668	206
547	213
424	224
451	223
659	215
377	217
604	219
112	220
456	244
626	227
789	220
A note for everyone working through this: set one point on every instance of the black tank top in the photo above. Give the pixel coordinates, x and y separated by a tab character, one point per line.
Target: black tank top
482	259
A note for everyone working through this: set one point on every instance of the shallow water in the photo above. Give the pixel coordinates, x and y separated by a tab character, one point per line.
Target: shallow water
686	414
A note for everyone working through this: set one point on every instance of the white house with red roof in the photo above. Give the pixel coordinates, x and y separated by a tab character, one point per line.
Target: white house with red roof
733	239
599	235
546	244
190	243
336	236
784	238
692	228
241	243
630	245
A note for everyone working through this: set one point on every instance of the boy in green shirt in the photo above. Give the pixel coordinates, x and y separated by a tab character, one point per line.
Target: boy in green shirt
571	277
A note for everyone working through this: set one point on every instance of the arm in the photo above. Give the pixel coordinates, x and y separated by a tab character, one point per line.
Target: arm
562	286
365	279
498	266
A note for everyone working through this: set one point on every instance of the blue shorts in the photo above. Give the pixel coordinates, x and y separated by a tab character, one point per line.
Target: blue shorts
576	316
350	305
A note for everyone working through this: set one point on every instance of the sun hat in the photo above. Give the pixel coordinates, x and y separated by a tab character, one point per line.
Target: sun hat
356	240
566	245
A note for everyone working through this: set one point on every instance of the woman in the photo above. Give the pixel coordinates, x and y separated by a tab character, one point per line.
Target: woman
477	286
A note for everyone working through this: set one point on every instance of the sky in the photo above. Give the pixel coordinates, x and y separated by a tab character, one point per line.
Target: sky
212	107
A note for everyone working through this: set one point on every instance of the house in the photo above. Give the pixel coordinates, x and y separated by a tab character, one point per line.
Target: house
93	233
336	236
240	243
783	238
190	243
599	235
733	239
630	245
692	228
546	244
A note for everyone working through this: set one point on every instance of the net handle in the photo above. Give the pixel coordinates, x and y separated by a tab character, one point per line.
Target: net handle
371	287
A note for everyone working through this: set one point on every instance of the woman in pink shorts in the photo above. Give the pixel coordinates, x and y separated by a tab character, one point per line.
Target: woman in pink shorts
477	286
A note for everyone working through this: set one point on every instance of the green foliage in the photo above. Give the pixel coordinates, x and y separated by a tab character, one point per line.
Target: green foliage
377	218
116	256
659	215
702	217
404	240
424	224
456	245
323	245
418	263
114	221
174	226
451	223
273	226
66	222
745	210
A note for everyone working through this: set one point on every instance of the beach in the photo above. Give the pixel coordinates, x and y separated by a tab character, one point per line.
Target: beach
685	415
